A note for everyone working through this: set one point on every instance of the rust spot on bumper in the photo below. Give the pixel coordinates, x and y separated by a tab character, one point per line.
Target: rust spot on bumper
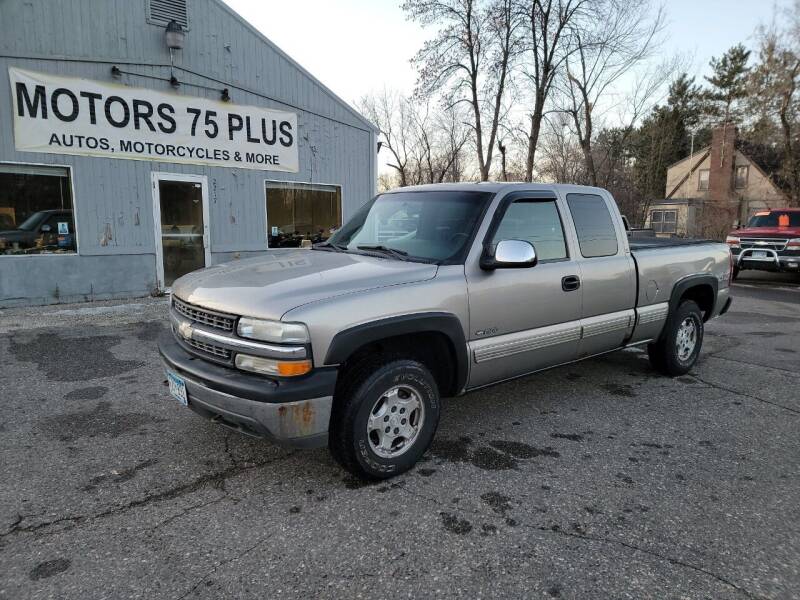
297	419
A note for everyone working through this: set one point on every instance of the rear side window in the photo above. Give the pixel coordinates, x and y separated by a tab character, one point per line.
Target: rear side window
596	233
537	222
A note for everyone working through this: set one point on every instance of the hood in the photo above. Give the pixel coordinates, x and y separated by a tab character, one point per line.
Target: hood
270	285
772	232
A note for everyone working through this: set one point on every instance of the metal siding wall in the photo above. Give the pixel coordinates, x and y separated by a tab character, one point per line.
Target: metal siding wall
115	195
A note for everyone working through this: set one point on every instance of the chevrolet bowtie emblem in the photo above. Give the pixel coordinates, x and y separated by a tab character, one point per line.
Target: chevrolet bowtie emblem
185	330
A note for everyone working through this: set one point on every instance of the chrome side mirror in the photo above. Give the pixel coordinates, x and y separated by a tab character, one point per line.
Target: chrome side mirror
510	254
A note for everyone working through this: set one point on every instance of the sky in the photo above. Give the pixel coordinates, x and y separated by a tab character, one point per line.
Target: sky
356	47
359	46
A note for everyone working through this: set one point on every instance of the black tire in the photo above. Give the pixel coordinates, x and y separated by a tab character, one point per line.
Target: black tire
365	385
735	274
664	354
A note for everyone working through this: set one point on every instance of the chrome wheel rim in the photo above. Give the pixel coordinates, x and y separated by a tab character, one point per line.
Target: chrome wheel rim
686	340
395	421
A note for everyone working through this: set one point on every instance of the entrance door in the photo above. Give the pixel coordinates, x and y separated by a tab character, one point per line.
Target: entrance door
180	211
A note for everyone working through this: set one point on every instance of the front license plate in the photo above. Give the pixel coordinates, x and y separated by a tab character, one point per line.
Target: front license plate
759	254
177	388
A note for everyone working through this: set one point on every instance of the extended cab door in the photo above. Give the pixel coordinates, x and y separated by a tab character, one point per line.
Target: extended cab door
523	319
607	271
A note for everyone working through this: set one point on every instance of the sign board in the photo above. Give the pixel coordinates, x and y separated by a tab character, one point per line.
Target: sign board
64	115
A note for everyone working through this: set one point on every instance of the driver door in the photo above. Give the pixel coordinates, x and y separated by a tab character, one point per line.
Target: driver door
524	319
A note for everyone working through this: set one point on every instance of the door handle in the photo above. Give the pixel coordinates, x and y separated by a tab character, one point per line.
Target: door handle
570	283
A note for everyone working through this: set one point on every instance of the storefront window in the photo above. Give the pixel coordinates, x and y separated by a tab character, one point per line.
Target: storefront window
36	210
301	211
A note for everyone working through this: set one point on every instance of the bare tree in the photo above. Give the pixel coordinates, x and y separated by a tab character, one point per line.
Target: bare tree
774	97
561	157
469	59
389	111
547	43
623	34
425	144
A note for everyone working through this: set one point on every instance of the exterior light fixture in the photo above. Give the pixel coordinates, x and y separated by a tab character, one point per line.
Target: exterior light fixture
226	96
115	72
173	81
174	35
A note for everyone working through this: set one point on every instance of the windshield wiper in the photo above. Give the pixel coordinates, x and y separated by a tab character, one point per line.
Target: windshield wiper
399	254
327	244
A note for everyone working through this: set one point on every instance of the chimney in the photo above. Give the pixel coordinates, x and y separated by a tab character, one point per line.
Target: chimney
722	159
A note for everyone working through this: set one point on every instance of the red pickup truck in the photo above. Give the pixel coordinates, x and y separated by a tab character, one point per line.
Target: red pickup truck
769	242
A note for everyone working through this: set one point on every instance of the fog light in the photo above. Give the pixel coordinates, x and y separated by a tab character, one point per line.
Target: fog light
268	366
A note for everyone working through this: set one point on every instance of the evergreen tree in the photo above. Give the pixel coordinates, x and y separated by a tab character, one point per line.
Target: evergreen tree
729	83
665	137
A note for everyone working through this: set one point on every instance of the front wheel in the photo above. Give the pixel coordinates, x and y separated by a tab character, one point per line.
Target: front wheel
384	418
676	351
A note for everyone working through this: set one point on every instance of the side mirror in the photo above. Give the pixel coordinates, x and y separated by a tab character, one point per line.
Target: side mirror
45	229
509	254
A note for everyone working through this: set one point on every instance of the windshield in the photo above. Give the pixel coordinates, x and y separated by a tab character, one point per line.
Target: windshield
31	222
431	226
775	219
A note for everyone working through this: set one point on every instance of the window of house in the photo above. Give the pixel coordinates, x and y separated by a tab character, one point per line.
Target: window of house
702	179
537	222
597	235
664	221
301	211
36	215
742	173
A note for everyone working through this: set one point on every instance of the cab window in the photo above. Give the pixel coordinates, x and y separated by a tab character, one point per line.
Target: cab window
596	233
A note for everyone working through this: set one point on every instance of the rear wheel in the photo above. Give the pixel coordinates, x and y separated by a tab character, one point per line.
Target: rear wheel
385	416
676	351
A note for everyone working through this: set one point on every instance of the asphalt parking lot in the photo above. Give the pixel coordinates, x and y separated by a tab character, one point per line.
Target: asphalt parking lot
596	480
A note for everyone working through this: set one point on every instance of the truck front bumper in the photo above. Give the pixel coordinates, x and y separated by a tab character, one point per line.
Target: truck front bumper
771	261
292	412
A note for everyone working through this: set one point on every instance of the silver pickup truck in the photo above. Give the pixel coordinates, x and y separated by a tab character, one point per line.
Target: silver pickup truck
430	292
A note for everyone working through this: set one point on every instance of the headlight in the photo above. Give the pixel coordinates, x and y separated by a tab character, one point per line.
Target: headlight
732	241
793	244
273	331
268	366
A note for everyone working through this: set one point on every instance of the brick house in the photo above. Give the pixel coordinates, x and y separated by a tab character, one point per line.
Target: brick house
708	192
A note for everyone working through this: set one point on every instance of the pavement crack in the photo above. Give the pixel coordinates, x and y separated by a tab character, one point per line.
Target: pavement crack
224	563
217	479
634	547
186	511
750	364
723	388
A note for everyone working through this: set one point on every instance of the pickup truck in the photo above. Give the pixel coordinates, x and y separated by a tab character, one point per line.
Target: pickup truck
430	292
769	242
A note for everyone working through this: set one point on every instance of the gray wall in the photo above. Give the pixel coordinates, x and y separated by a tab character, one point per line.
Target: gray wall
84	38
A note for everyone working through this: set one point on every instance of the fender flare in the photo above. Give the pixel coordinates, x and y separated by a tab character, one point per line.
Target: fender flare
691	281
347	341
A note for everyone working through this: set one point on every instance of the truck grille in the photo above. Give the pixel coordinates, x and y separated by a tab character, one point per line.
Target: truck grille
201	315
763	244
217	351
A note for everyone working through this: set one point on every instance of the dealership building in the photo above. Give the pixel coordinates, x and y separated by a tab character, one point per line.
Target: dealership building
143	139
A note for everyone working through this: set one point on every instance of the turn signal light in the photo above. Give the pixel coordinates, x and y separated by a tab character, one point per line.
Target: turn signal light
793	243
732	241
294	368
268	366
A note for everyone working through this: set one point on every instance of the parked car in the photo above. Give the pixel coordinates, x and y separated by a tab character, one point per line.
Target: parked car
354	343
40	230
769	242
